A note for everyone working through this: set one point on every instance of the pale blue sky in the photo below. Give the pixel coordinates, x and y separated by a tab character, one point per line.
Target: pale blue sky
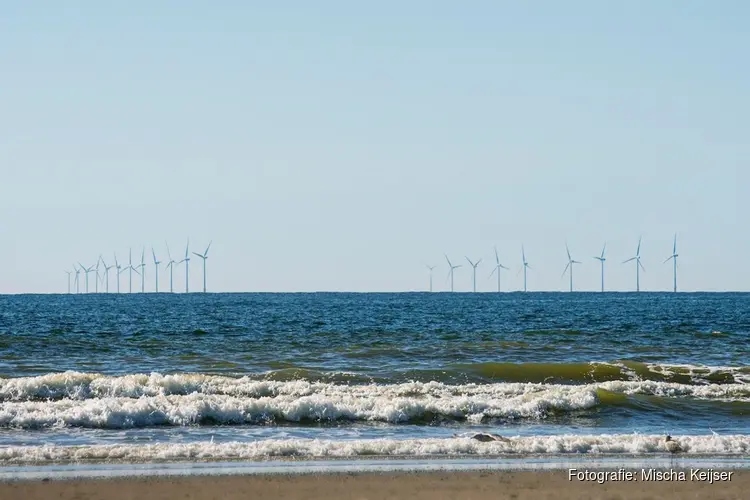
338	145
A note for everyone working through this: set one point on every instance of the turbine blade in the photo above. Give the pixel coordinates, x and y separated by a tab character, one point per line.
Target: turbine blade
626	261
207	248
492	273
639	263
565	270
497	257
449	261
603	249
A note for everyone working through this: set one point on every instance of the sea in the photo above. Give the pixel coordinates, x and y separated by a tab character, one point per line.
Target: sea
147	378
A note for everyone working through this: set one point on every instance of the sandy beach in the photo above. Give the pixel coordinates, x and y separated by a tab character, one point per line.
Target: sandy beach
428	486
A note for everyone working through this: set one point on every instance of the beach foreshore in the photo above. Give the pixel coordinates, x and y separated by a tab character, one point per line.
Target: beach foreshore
518	485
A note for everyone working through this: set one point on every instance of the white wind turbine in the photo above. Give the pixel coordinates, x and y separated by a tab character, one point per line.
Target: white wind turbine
156	267
497	268
602	259
431	268
106	273
474	267
525	266
186	260
638	266
78	273
673	258
130	270
117	272
204	256
570	265
170	265
96	283
142	265
451	268
86	272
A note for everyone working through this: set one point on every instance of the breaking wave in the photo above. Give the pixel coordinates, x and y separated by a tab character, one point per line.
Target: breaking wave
74	399
628	444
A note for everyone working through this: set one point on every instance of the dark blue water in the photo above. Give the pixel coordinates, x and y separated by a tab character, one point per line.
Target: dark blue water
371	372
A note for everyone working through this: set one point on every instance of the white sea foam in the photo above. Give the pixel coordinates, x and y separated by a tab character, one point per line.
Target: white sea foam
362	403
91	400
628	444
80	386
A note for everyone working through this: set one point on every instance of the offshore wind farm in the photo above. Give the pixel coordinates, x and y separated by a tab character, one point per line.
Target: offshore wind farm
139	269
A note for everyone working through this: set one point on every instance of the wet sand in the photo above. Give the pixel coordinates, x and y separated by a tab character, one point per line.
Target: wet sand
371	486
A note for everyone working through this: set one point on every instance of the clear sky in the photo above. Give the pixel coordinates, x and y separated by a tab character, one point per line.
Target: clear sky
339	145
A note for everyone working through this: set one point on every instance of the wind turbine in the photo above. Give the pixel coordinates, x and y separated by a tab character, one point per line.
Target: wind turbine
474	266
106	273
96	283
170	265
117	271
525	266
204	256
156	266
451	268
86	272
130	270
143	270
673	258
68	273
569	265
497	268
601	259
186	260
431	269
78	272
638	266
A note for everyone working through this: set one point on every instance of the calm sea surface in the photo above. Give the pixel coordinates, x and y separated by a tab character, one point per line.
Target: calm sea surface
225	376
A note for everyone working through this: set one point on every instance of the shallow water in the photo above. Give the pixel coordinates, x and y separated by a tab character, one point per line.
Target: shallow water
160	376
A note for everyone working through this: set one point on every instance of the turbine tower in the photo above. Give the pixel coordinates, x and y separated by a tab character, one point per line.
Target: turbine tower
130	269
156	267
186	260
569	265
431	268
68	273
525	266
601	259
86	272
673	258
78	272
450	271
497	268
204	256
170	265
117	272
106	273
474	266
96	283
638	266
142	265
